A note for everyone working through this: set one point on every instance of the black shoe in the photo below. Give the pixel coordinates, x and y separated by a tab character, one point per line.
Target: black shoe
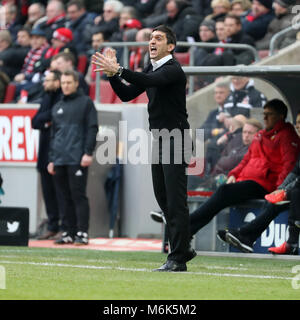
221	235
158	216
81	238
190	255
238	241
297	223
172	266
66	238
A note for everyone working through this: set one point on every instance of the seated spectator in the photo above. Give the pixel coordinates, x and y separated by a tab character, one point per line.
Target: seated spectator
238	139
207	33
23	39
39	45
255	24
270	157
36	15
212	125
62	41
127	13
243	97
220	8
221	35
11	21
283	19
78	21
11	59
183	20
240	7
245	237
56	18
139	56
108	22
97	39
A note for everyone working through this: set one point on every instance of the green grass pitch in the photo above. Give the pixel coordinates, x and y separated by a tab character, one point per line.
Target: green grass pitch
63	274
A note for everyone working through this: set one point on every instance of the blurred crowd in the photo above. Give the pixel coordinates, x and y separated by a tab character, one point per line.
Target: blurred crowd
33	32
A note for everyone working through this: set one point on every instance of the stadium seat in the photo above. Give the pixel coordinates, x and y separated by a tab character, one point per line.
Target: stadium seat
82	63
183	58
107	94
9	93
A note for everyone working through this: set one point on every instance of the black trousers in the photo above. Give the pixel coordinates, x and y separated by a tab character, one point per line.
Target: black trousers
225	196
170	189
269	212
71	182
53	203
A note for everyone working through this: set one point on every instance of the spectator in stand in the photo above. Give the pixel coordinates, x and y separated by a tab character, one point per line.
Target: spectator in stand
39	45
139	57
127	13
243	97
212	125
11	59
183	20
56	18
240	7
256	22
78	21
220	9
42	121
65	61
207	34
245	237
36	15
11	22
97	39
238	139
108	22
283	19
270	157
23	39
62	41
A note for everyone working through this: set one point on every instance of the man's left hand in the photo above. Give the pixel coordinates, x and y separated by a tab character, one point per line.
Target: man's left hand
86	160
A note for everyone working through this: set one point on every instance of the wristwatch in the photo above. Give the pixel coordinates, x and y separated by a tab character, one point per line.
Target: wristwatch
120	71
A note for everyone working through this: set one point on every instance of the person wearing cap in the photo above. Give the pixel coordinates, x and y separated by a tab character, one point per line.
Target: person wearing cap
39	45
256	22
283	19
61	42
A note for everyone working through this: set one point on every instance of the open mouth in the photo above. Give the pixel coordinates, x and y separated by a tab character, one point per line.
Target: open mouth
153	49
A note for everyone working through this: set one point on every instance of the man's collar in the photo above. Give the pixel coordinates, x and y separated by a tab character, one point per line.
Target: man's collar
160	62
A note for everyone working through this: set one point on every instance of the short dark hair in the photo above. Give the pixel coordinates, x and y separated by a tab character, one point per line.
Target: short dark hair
67	56
235	17
78	3
56	74
278	106
72	73
170	34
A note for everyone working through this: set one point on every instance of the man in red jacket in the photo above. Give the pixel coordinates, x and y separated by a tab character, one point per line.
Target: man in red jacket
270	157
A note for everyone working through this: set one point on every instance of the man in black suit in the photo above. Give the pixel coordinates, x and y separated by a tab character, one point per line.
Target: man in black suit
165	83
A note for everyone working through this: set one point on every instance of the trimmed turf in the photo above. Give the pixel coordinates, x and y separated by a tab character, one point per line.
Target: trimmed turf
56	274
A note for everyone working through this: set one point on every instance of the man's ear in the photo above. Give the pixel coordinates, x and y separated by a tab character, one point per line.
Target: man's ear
171	47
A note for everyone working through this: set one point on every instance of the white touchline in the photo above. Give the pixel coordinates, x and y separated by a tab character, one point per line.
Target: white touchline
50	264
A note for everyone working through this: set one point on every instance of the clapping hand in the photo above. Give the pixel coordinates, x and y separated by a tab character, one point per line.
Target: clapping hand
106	63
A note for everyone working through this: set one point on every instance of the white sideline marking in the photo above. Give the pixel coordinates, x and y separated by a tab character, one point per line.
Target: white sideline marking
50	264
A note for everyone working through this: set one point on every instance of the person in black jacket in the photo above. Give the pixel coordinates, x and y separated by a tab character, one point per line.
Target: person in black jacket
42	122
165	84
73	139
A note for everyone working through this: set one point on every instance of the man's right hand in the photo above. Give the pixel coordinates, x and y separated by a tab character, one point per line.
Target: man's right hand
50	168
